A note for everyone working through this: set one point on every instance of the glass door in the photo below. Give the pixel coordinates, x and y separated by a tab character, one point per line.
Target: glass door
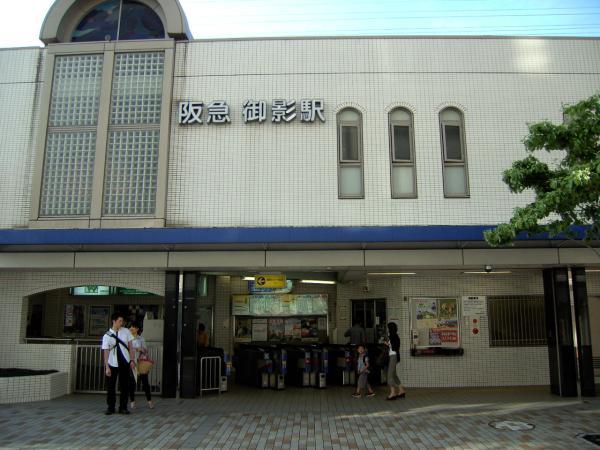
371	314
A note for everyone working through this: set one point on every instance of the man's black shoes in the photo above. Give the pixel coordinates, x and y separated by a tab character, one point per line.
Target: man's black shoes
109	411
124	411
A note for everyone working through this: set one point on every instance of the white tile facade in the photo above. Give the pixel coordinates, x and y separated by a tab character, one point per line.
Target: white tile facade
286	174
243	175
33	388
481	365
15	286
20	72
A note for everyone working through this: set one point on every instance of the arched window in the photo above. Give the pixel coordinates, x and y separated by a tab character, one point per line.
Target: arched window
454	155
402	154
119	20
350	154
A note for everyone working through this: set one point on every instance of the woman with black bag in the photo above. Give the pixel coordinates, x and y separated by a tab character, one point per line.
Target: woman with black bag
393	381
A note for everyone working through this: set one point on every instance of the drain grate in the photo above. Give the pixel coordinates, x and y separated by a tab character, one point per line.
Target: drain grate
594	438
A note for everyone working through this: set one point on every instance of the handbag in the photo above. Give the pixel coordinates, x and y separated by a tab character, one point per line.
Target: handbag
383	359
144	364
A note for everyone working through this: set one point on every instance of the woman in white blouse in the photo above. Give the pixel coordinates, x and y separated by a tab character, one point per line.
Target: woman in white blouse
139	348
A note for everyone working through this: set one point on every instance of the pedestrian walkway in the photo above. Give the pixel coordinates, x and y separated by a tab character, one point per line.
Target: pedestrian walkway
311	418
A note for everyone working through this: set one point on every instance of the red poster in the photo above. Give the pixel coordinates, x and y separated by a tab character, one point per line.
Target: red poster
448	335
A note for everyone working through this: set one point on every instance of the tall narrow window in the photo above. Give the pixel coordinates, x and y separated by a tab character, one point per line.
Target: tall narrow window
71	140
402	154
350	154
456	180
133	134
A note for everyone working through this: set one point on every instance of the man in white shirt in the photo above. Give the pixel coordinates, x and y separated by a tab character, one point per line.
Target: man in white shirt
119	360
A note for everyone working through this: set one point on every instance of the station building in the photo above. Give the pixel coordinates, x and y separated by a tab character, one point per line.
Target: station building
152	173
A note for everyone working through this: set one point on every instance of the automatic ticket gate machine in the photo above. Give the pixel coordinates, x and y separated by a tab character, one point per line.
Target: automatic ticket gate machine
274	369
320	367
306	373
281	366
349	372
316	366
267	370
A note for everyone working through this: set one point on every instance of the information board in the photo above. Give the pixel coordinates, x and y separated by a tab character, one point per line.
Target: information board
434	322
266	305
474	305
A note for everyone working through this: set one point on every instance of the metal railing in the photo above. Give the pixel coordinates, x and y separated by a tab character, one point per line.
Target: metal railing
210	374
89	369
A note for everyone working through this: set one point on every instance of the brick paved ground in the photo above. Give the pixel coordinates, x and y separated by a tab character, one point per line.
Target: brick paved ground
308	418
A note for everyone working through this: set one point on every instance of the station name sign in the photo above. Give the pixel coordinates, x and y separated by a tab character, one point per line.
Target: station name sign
282	111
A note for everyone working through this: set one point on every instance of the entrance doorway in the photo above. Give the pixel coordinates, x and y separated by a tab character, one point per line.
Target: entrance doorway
371	313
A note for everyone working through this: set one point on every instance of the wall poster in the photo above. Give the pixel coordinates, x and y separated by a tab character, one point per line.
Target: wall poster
280	318
99	321
243	329
434	323
259	330
74	320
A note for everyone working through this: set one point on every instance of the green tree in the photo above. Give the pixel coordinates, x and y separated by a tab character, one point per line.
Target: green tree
565	194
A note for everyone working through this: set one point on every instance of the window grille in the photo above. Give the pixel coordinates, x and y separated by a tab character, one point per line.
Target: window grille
516	321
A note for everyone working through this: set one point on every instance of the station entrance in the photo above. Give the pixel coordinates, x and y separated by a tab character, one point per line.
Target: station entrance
296	336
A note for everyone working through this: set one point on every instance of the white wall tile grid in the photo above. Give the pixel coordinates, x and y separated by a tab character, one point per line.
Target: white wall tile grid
286	174
480	365
16	286
33	388
20	72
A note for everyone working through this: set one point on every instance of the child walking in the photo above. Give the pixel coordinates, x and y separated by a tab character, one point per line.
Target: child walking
363	374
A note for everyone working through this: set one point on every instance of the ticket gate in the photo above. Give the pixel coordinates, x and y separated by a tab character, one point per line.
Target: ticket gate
267	374
319	367
349	372
253	366
293	366
275	366
307	368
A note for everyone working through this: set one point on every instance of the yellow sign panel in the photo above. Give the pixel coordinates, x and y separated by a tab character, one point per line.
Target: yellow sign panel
270	281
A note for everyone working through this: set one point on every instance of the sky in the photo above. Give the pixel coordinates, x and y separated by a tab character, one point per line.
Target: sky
209	19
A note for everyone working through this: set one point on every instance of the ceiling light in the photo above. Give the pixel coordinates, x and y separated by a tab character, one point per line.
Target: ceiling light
374	274
318	281
495	272
592	270
248	278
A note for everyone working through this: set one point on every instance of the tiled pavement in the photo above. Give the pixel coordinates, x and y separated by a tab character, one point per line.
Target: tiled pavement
308	418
